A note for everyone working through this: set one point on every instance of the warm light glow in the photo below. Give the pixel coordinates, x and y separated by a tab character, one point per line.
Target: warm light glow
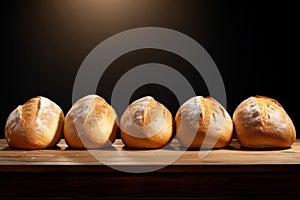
101	11
108	4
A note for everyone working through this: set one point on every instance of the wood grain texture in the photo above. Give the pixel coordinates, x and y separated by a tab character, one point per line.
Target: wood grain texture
118	155
230	173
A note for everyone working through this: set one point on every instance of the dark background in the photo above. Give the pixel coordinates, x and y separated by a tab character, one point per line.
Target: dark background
253	43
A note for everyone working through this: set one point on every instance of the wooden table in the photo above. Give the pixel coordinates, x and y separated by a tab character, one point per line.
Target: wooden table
232	172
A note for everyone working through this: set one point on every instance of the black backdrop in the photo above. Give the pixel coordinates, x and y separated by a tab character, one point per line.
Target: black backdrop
253	43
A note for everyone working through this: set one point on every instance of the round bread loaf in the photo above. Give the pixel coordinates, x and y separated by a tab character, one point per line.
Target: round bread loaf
261	122
203	122
146	123
37	124
90	123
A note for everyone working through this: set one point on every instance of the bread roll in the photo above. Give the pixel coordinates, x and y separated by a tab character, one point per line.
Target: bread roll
203	122
146	123
35	125
90	123
261	122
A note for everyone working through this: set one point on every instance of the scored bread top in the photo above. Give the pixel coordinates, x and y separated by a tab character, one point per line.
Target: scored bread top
191	110
146	123
262	112
138	111
37	114
91	122
144	118
202	118
195	114
35	124
261	122
271	113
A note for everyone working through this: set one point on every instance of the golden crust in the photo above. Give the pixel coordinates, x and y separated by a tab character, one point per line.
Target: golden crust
90	123
146	123
37	124
203	122
261	122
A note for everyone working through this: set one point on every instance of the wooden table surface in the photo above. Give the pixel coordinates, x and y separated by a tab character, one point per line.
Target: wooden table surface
61	155
232	172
